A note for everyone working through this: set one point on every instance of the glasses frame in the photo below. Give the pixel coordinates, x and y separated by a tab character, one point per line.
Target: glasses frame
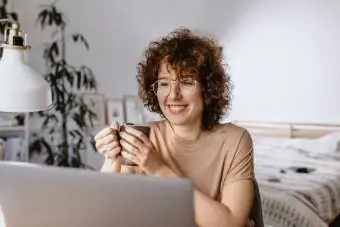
174	82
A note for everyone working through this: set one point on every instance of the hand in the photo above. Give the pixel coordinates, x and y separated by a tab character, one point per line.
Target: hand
140	150
108	145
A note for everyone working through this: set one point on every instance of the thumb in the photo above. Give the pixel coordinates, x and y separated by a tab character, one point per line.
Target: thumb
114	126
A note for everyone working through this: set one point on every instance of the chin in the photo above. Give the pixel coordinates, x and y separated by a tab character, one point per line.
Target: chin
179	115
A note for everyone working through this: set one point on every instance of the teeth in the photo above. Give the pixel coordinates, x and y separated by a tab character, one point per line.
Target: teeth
176	109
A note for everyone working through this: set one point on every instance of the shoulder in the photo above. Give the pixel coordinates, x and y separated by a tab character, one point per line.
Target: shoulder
234	137
231	131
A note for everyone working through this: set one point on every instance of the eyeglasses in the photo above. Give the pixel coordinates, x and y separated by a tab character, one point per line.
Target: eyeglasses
187	86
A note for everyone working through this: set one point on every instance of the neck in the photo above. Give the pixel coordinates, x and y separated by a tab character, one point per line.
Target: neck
188	132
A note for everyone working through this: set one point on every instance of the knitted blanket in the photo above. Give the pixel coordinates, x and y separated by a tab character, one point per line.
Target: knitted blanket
298	187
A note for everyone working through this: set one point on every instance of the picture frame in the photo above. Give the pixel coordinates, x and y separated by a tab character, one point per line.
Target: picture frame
133	109
115	111
96	102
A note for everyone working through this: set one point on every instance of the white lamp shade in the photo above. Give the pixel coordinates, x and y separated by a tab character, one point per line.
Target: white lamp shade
22	89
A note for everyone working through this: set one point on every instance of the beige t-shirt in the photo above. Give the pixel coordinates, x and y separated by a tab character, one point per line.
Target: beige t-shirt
217	158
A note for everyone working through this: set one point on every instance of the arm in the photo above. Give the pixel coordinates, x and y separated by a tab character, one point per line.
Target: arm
232	211
237	193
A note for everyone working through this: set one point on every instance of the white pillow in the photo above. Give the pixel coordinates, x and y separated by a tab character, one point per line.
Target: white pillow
325	144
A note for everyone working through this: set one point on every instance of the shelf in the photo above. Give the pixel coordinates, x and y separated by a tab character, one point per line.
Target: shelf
12	131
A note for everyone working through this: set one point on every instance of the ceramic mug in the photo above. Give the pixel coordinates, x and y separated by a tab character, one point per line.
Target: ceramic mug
140	127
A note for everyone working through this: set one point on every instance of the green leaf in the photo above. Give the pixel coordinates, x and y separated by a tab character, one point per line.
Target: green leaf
68	76
42	16
79	37
13	16
84	41
75	37
52	130
78	133
78	73
48	119
35	147
72	134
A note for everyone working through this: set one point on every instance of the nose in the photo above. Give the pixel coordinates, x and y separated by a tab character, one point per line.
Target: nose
174	92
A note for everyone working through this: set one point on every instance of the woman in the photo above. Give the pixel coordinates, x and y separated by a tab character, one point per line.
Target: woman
182	78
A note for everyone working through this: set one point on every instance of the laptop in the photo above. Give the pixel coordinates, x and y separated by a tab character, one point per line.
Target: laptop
43	196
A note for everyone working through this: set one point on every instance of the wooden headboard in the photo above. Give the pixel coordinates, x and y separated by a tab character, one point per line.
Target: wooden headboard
288	130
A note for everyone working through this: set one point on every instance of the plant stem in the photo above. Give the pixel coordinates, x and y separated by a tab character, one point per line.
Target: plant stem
63	43
65	145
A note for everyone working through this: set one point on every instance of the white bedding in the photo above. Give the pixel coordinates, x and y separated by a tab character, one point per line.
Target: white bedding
292	199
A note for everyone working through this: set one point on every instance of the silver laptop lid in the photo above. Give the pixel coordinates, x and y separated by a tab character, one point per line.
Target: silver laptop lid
41	196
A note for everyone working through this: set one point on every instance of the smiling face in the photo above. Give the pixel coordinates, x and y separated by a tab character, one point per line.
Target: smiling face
179	97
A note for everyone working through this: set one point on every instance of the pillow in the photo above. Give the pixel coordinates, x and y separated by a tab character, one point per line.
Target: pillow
324	144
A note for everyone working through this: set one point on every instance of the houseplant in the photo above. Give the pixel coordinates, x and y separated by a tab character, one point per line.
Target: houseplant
63	133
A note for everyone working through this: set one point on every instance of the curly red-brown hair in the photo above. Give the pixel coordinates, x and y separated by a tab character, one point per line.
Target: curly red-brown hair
185	51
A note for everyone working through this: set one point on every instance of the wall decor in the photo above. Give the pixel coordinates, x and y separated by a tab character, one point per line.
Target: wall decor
133	109
115	111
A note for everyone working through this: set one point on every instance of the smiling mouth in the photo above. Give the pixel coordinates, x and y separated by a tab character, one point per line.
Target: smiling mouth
176	109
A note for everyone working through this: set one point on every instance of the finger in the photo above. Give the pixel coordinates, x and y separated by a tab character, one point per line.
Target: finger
133	158
114	126
106	141
106	131
111	146
129	147
130	139
113	153
109	139
136	133
99	144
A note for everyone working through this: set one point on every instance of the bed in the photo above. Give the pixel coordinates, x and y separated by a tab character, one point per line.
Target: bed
297	166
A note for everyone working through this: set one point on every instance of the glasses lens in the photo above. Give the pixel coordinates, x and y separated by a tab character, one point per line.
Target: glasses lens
163	86
188	86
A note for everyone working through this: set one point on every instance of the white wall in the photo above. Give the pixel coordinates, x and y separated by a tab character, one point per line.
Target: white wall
118	32
284	58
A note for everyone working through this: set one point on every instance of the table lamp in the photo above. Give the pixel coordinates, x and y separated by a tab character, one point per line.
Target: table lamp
22	88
